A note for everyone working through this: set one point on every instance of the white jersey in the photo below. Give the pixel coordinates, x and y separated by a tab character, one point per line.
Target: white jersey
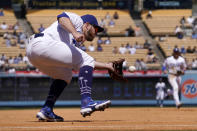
56	32
54	53
173	65
160	86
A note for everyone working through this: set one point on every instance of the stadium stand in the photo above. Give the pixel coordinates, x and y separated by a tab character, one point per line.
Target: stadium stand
14	49
163	22
10	19
169	43
47	17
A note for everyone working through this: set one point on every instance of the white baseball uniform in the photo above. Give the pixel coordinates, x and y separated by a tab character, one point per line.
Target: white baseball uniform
173	65
55	53
160	86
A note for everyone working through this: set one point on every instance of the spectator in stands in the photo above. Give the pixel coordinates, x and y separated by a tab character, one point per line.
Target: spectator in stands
146	44
99	41
107	41
182	21
41	28
194	35
115	50
14	43
1	12
99	48
194	49
82	47
190	20
189	49
102	23
194	64
4	26
122	49
91	48
127	46
138	31
162	39
22	37
7	35
155	59
16	26
137	64
16	60
22	45
183	51
132	50
116	16
179	32
14	34
129	31
195	28
3	57
111	23
149	15
150	56
143	65
137	46
8	42
10	60
20	57
107	16
25	59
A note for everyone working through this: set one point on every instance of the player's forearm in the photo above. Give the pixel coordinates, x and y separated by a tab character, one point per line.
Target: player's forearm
106	66
67	25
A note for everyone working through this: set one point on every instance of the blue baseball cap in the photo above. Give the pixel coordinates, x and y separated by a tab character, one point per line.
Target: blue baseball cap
92	20
176	50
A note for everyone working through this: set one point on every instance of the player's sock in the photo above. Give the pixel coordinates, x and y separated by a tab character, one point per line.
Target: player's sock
157	102
161	104
56	89
85	83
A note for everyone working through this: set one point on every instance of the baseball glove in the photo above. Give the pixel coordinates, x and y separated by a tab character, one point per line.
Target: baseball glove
117	74
179	73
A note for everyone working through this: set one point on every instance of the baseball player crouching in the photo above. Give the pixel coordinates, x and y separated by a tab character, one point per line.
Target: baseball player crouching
176	67
54	52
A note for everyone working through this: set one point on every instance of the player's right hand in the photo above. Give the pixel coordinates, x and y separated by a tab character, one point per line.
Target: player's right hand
79	37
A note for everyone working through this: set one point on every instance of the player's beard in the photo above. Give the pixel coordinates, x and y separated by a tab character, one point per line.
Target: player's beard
89	36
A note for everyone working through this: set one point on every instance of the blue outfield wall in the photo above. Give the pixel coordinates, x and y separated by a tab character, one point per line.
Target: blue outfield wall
31	91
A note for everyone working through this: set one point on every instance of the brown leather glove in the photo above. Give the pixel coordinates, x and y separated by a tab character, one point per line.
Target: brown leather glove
117	74
179	73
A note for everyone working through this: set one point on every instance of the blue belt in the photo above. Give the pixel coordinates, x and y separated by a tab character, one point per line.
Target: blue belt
38	35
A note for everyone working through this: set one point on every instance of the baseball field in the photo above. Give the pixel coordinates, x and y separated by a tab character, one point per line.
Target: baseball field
124	118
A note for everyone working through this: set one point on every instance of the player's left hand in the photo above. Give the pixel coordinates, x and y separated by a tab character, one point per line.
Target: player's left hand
116	73
180	73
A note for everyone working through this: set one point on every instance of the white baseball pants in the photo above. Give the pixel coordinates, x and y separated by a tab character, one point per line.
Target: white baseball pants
175	83
55	58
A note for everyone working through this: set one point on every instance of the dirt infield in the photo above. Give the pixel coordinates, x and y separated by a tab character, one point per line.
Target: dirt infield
110	119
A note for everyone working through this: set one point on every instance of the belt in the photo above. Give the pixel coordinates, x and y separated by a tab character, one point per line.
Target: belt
38	35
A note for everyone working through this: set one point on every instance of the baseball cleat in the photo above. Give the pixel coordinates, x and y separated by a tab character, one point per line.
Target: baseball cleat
94	106
47	115
179	106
